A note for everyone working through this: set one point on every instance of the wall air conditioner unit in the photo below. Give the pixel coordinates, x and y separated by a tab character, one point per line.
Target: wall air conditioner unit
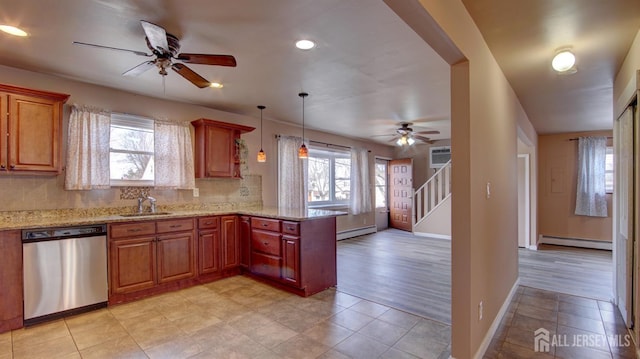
439	156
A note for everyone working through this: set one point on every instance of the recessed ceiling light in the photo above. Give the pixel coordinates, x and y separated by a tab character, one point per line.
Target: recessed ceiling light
216	85
305	44
13	30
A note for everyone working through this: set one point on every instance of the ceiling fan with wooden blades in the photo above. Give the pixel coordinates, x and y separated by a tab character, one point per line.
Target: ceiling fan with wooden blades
405	135
165	48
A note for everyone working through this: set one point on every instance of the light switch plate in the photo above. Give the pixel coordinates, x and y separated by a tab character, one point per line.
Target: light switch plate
196	192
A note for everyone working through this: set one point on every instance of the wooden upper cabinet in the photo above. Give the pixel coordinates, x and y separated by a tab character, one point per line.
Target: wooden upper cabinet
217	152
31	128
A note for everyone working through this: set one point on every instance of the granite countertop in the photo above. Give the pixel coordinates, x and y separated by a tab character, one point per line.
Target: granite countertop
60	218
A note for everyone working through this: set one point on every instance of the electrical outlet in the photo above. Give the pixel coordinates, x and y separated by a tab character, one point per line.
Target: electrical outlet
488	190
480	309
196	192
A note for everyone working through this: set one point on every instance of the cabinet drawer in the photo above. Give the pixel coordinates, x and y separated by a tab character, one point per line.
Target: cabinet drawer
208	222
291	227
266	224
265	265
132	229
175	225
265	242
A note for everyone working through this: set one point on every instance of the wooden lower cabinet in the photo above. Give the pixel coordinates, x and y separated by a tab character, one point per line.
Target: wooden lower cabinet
208	251
176	256
230	242
11	294
297	256
291	259
245	240
147	256
132	264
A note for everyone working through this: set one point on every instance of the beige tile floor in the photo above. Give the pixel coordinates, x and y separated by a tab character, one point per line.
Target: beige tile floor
584	328
235	318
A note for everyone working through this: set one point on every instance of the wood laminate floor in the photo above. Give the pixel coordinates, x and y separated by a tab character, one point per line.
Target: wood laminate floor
400	270
413	274
577	271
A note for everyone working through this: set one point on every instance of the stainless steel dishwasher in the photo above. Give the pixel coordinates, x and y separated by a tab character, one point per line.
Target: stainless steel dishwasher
65	271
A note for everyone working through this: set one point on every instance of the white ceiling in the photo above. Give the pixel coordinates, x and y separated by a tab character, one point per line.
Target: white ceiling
369	72
524	35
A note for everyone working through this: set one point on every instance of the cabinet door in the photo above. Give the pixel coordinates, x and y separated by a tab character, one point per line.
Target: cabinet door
176	256
132	264
11	278
245	239
291	260
209	251
230	237
4	109
34	134
219	152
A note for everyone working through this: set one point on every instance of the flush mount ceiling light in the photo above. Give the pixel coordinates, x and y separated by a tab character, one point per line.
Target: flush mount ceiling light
303	152
216	85
305	44
564	62
12	30
262	157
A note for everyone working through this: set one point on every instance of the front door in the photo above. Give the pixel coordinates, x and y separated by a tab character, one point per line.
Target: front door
382	194
401	194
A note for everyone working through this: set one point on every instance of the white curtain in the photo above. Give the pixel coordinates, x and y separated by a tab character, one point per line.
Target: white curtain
87	165
360	196
292	174
591	197
173	156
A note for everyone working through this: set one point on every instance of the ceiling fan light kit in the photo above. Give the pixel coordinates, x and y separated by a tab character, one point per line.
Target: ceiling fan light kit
303	152
564	62
262	157
165	48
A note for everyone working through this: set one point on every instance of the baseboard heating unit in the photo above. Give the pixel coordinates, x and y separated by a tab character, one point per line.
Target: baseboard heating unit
575	242
350	233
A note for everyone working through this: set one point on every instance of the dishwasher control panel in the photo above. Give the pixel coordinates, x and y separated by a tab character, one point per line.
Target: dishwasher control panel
63	232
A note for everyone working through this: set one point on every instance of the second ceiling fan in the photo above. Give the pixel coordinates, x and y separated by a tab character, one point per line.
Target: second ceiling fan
165	48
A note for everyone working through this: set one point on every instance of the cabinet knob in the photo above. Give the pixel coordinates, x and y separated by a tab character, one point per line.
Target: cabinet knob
265	243
12	166
264	225
175	226
2	167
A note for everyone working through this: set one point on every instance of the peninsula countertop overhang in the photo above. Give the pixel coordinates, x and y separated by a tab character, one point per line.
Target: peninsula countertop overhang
41	219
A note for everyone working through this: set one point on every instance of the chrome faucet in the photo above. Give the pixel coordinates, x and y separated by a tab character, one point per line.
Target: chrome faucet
152	204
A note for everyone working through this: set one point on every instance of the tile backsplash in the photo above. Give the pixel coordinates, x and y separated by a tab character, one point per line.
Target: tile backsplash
25	193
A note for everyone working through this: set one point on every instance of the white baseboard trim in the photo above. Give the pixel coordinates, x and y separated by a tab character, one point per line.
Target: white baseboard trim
496	322
350	233
575	242
432	235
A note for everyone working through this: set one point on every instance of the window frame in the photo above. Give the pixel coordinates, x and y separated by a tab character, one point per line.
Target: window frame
610	154
137	123
331	155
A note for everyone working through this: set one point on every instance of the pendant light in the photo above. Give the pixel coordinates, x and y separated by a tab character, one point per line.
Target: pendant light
262	157
303	152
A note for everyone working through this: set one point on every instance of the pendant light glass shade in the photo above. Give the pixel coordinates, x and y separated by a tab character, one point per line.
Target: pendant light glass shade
303	152
262	157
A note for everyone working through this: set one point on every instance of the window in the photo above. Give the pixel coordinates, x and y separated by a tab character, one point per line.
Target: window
381	183
329	177
608	170
131	151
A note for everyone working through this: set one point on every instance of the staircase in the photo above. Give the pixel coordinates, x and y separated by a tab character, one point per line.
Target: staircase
432	194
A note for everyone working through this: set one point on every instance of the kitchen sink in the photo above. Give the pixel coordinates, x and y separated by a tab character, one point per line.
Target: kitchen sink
145	214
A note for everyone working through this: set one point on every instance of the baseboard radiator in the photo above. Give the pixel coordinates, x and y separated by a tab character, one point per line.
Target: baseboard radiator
350	233
575	242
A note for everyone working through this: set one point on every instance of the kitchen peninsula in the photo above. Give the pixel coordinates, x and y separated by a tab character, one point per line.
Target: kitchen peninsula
155	253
